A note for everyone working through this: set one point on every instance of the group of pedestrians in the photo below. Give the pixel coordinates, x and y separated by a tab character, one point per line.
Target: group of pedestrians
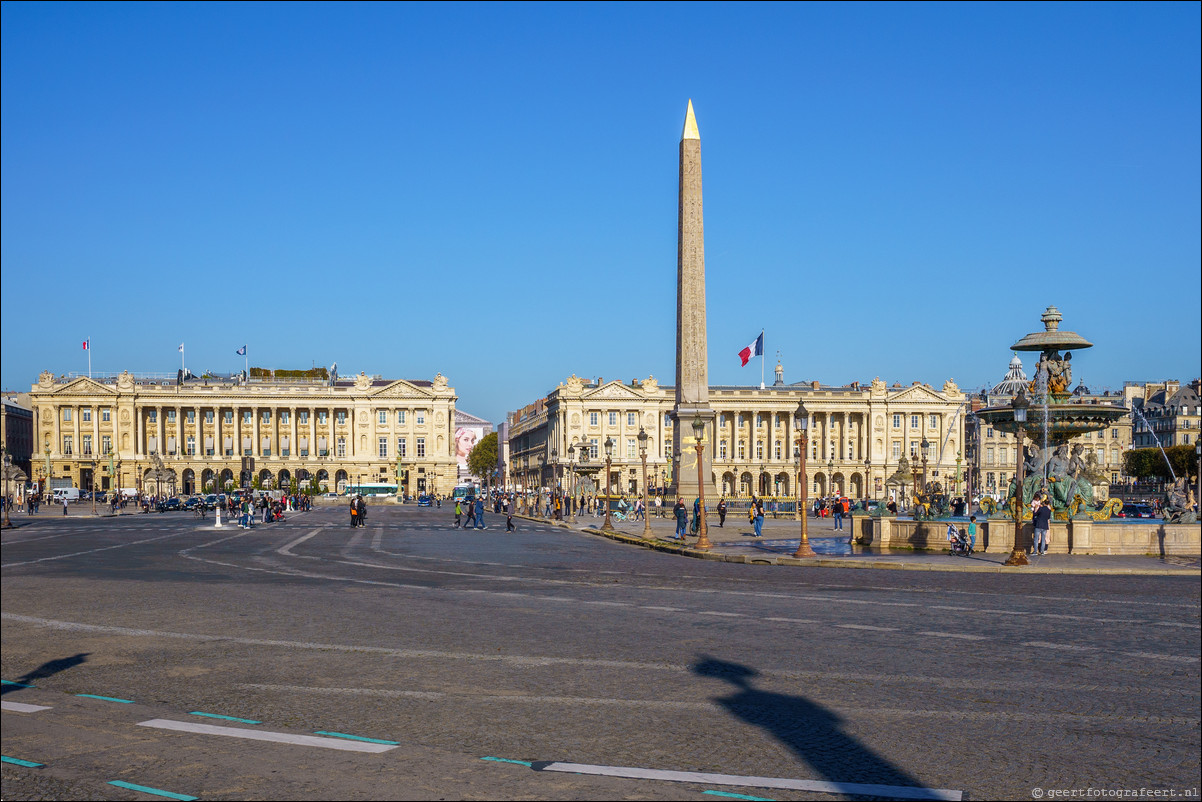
475	513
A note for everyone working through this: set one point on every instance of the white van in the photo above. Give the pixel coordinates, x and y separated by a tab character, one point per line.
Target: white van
68	493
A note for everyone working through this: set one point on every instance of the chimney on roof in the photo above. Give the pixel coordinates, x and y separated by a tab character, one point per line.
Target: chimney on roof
814	385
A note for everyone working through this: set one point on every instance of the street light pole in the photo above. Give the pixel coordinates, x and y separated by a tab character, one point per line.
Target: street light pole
1018	555
8	461
609	450
646	499
703	541
802	419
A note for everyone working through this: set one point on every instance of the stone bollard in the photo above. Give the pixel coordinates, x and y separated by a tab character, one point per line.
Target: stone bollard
218	510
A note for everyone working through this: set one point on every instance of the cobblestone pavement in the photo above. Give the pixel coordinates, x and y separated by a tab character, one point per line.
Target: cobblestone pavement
550	644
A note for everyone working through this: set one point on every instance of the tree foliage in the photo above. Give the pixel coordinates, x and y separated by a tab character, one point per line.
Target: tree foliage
483	458
1149	463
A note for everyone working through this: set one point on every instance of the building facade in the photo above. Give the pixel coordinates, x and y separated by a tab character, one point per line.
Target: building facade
16	431
856	436
1166	413
213	433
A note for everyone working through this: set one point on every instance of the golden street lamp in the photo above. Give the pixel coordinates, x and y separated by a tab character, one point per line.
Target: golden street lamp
703	541
802	421
646	500
8	462
609	450
926	451
1018	555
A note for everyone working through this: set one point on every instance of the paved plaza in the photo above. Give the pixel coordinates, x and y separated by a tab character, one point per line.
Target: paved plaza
411	660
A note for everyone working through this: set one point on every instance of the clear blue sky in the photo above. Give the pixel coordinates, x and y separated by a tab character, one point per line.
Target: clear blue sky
489	191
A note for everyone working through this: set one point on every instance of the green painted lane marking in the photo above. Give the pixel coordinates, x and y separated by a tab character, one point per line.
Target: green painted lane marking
16	761
154	791
356	738
225	718
18	684
507	760
738	796
106	699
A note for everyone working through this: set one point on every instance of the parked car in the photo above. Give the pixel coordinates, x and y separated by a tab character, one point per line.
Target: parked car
1137	510
425	501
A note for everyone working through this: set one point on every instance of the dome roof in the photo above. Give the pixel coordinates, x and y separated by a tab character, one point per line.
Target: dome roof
1015	379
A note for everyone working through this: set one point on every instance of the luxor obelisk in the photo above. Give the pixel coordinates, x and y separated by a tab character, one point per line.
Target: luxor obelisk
692	373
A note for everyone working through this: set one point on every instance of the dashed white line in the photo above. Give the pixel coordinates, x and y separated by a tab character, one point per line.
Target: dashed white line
21	707
263	735
959	635
866	627
1065	646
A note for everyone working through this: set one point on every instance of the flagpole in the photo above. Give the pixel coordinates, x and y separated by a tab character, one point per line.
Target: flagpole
89	341
761	364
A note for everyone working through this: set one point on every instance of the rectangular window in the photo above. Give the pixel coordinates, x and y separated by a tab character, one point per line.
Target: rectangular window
630	418
401	453
897	421
302	416
896	450
68	445
67	414
208	416
152	416
592	447
191	446
106	415
722	450
400	416
1114	434
776	450
913	421
989	455
341	447
613	419
322	416
87	445
420	445
106	444
267	416
383	448
246	416
191	416
759	449
340	417
85	415
419	418
742	450
759	421
171	416
592	419
851	451
229	416
382	417
934	423
632	450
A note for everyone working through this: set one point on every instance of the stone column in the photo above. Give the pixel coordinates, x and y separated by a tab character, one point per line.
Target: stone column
692	368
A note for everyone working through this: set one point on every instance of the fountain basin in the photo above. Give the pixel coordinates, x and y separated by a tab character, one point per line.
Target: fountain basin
1065	420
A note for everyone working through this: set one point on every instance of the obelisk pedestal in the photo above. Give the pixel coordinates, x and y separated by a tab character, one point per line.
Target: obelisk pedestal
692	367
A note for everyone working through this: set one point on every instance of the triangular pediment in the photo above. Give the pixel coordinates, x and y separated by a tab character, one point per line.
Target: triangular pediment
916	393
614	390
84	386
401	389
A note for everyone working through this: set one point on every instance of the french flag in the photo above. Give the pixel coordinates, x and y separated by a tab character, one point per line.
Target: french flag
85	345
755	349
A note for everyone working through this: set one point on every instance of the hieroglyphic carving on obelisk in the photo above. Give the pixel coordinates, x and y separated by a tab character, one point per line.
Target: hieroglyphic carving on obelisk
692	372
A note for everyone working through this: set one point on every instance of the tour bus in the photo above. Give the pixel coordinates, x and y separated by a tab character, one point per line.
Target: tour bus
464	491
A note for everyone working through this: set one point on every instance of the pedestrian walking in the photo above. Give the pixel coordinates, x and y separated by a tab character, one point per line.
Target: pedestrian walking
838	515
696	515
682	518
458	514
509	527
721	512
480	513
972	533
471	515
354	511
1043	522
758	505
64	505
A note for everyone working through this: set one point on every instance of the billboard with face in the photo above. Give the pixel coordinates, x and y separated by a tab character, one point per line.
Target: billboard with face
466	438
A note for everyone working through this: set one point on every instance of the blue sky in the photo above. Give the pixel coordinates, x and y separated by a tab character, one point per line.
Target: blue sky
489	191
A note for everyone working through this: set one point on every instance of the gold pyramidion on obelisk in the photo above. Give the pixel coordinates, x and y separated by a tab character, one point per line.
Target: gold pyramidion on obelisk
692	372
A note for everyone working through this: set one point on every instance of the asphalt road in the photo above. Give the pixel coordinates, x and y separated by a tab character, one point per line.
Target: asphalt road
485	658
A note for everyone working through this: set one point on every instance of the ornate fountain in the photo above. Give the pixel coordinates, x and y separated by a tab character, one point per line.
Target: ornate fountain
1052	418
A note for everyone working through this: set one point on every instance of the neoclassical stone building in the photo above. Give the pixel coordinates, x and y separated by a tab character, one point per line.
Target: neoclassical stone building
857	435
132	432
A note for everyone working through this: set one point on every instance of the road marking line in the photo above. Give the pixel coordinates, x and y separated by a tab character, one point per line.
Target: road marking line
861	789
260	735
663	609
954	635
730	795
94	551
18	684
225	718
105	698
865	626
718	612
1153	656
356	738
1066	646
21	707
507	760
16	761
152	791
793	620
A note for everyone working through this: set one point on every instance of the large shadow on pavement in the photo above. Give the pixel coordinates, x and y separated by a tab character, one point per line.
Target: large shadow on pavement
809	729
48	669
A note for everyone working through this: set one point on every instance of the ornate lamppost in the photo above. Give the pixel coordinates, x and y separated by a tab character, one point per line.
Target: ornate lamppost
926	450
8	463
646	499
867	481
663	490
556	495
830	477
609	450
802	420
92	489
572	484
1018	555
797	513
703	541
